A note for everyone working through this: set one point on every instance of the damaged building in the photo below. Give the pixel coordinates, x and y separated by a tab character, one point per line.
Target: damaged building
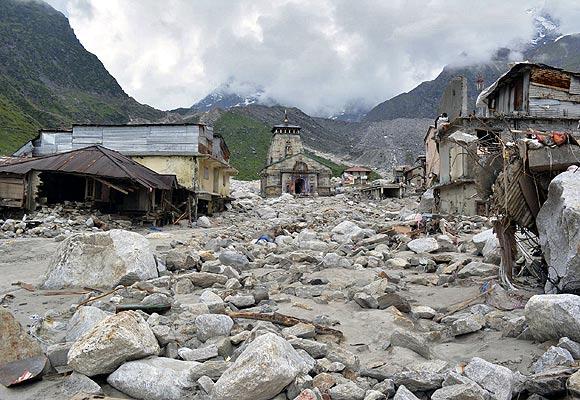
517	117
289	169
197	157
105	178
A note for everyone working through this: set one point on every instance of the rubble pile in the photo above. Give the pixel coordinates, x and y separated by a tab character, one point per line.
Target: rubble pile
59	221
306	298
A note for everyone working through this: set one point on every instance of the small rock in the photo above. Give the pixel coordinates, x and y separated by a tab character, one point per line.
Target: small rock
423	245
212	325
347	391
404	394
553	357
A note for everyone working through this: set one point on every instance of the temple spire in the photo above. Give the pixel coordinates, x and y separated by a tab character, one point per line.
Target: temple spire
285	117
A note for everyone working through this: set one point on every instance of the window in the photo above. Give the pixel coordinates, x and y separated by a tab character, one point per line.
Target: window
205	173
224	180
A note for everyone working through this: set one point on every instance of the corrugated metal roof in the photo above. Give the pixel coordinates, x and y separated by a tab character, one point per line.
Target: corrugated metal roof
94	161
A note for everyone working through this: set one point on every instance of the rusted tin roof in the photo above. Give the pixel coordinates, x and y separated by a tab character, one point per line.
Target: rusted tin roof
94	161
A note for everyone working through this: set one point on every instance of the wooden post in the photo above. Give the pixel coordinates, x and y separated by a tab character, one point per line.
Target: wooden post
189	209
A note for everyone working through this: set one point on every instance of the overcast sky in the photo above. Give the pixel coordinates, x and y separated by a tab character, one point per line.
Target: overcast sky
318	55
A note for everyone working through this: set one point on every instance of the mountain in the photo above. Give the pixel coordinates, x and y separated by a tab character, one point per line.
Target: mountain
228	95
547	46
48	79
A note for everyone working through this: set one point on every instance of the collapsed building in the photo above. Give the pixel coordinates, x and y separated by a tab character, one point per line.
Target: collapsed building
103	177
289	169
500	159
198	158
466	155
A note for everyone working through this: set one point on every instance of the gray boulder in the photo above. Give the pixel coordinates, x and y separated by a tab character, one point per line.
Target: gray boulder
412	341
423	245
155	378
234	259
559	229
79	383
478	269
83	320
347	391
467	324
570	345
482	238
212	325
553	357
113	341
404	394
101	259
263	370
203	222
468	391
497	380
553	316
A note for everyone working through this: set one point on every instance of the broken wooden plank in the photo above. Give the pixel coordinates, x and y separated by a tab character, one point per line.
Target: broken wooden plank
285	320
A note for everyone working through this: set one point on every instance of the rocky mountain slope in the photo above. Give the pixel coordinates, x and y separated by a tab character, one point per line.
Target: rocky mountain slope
48	79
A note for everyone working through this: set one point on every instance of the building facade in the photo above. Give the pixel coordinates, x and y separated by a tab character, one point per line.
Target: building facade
192	152
289	169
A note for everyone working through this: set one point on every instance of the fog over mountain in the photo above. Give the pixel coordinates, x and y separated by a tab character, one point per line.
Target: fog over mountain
315	55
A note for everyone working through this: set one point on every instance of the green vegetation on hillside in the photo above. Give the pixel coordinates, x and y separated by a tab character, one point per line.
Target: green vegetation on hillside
49	80
337	169
248	141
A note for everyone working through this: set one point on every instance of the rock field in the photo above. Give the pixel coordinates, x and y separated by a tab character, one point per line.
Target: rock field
332	298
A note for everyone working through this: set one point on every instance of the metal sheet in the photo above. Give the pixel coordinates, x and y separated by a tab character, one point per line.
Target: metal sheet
17	372
95	161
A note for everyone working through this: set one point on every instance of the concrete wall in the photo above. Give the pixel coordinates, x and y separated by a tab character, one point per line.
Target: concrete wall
454	99
183	167
213	177
458	199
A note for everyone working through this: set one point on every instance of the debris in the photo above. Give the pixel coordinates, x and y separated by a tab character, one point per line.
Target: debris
285	320
26	369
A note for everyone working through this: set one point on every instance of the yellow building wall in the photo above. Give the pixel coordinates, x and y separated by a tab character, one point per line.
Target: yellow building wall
215	171
183	167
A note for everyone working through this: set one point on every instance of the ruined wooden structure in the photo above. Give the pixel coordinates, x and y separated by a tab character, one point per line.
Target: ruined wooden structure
94	174
192	152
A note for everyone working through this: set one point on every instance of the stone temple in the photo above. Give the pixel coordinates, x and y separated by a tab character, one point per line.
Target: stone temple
289	169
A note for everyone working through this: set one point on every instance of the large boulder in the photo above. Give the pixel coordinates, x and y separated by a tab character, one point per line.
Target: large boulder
553	316
155	378
113	341
15	344
262	371
558	224
101	259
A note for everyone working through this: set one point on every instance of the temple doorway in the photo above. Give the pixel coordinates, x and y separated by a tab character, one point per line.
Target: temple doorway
299	186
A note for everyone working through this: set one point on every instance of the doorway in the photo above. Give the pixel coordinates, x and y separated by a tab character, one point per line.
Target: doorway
299	186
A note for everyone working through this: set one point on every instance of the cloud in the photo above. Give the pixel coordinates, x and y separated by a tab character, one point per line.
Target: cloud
318	55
